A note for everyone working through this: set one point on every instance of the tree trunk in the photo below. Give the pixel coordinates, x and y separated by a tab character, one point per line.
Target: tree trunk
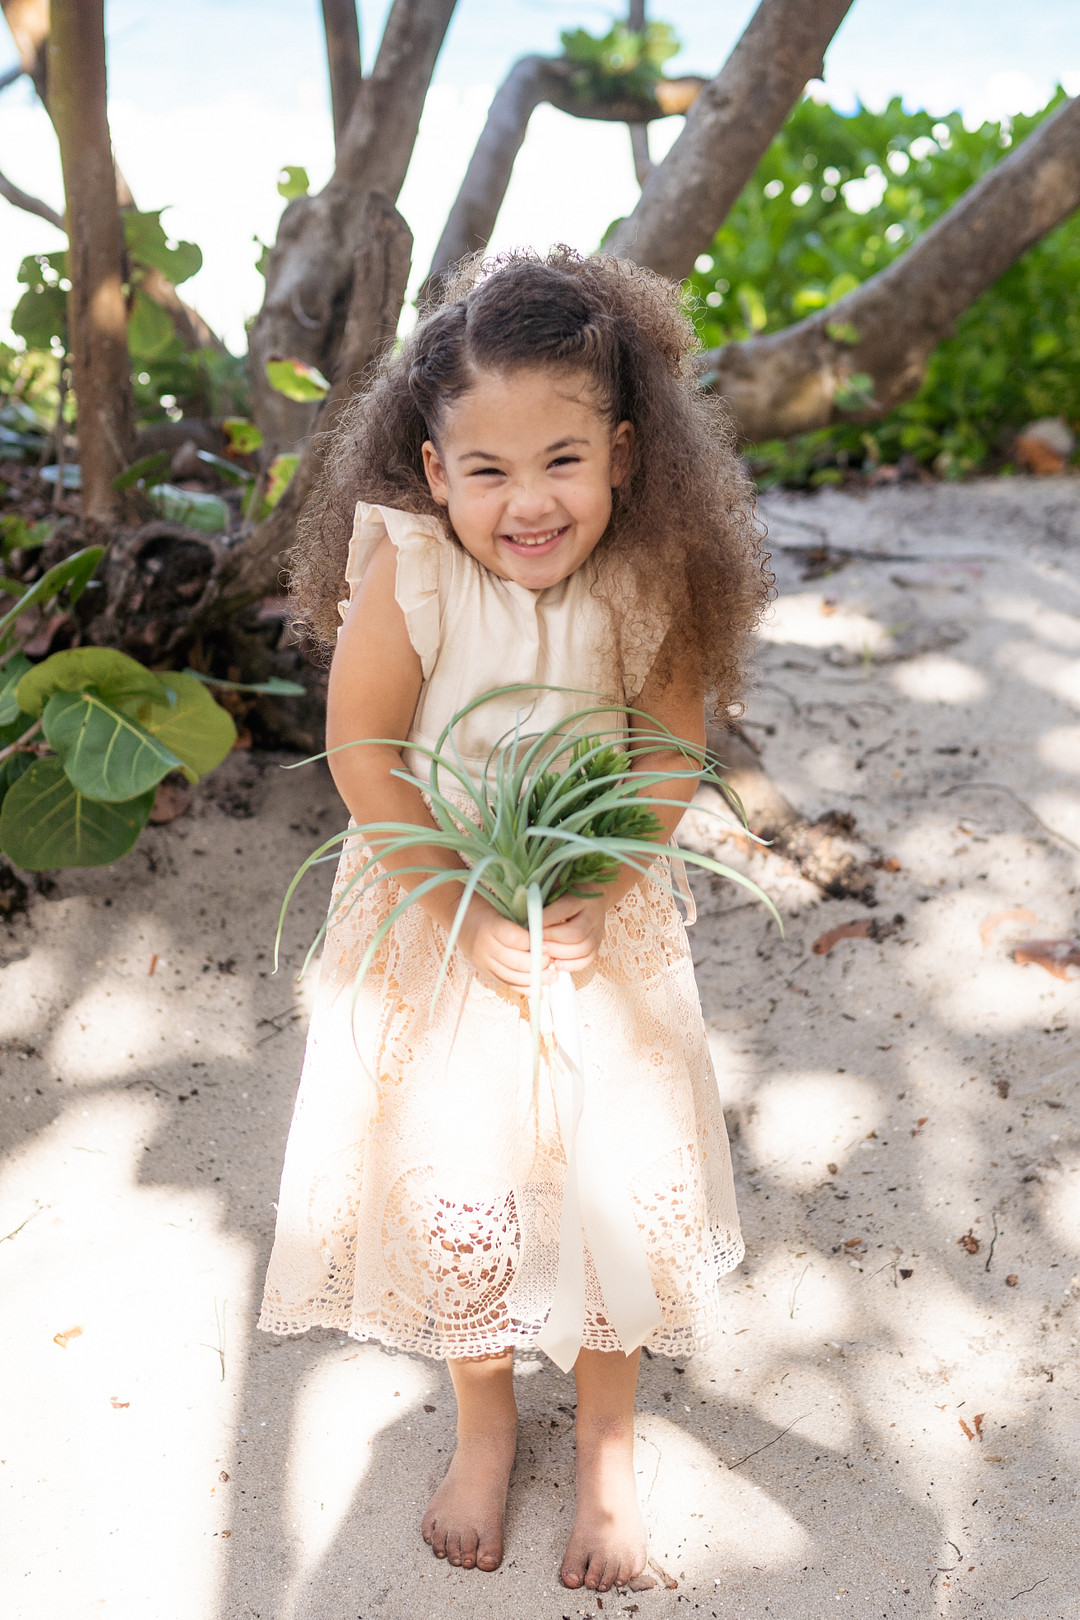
639	133
309	274
787	382
29	24
97	316
530	81
165	584
380	274
342	28
687	197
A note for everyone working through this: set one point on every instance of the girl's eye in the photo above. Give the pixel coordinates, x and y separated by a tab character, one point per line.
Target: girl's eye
486	472
565	461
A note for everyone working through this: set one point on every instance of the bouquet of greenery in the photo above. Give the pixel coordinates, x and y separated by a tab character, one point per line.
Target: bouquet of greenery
554	812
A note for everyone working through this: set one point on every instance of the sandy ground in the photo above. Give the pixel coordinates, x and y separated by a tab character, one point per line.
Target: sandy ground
889	1425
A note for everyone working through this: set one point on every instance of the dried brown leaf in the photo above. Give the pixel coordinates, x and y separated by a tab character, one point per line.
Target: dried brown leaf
969	1432
990	924
69	1333
1057	956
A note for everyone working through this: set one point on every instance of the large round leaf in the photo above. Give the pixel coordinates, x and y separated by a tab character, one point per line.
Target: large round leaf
197	729
47	823
115	677
104	753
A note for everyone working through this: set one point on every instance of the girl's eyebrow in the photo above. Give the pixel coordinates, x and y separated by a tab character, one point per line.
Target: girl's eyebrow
487	455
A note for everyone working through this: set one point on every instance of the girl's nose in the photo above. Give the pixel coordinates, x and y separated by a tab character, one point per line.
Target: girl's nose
529	503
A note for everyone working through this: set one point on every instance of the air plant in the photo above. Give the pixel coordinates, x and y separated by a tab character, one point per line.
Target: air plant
553	812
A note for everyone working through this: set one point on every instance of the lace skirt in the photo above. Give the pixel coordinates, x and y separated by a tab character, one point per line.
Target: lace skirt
423	1176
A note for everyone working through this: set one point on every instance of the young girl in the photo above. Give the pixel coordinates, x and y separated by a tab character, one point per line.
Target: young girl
542	496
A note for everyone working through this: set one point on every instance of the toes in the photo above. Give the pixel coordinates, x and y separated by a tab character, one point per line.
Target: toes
453	1548
571	1574
436	1538
468	1543
489	1555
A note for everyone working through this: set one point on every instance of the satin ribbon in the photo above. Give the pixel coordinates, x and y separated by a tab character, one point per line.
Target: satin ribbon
597	1209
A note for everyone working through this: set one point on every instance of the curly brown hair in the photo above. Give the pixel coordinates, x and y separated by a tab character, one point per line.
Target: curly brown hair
682	523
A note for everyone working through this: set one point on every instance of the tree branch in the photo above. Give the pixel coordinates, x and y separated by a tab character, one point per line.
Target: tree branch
342	28
29	24
97	316
687	197
786	382
531	80
380	274
30	205
639	133
309	275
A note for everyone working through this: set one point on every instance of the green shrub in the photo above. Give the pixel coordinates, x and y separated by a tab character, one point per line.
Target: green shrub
794	243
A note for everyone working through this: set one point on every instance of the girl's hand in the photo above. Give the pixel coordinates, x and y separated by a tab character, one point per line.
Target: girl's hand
497	946
573	929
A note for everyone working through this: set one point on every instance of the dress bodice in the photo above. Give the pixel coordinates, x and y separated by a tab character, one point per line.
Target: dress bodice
475	632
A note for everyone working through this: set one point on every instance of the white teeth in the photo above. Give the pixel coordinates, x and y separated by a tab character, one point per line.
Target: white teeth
538	540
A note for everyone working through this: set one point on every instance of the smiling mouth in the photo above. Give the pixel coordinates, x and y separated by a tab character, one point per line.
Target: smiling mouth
534	542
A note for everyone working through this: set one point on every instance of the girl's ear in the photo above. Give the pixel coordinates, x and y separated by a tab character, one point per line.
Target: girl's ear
622	444
435	473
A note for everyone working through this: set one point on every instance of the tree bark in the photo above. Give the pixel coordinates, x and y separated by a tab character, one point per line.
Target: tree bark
309	274
97	316
787	382
342	28
166	585
29	24
531	80
687	197
380	273
639	133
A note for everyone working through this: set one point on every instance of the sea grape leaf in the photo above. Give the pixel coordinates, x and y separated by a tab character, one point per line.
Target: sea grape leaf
45	822
105	754
279	477
12	768
150	330
10	676
195	728
296	379
117	679
148	245
293	182
244	437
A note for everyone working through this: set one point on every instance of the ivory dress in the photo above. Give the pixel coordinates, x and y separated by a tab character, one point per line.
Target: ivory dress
423	1179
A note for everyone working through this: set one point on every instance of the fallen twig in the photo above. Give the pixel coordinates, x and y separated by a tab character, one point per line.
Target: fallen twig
1002	787
993	1240
21	1224
1028	1589
768	1443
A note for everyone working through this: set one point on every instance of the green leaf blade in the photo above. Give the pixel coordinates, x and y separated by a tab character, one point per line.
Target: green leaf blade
105	754
46	823
197	730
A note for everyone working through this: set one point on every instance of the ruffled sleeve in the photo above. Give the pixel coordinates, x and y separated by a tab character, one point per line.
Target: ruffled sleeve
423	559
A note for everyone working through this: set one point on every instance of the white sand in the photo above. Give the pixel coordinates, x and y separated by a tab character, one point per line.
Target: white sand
815	1462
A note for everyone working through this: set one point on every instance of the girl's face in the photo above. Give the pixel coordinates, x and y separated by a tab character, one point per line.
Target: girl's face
525	466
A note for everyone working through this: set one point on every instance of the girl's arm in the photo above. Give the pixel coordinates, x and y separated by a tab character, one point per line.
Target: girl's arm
375	681
573	927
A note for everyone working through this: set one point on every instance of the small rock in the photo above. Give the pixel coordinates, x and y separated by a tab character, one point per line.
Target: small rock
1043	447
1011	1280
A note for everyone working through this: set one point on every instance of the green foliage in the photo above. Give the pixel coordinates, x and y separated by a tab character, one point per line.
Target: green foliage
149	248
619	63
296	379
836	199
16	532
114	728
243	436
40	316
293	182
279	477
194	508
46	823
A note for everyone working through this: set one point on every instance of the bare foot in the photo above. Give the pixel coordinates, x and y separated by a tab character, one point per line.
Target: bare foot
607	1543
464	1520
